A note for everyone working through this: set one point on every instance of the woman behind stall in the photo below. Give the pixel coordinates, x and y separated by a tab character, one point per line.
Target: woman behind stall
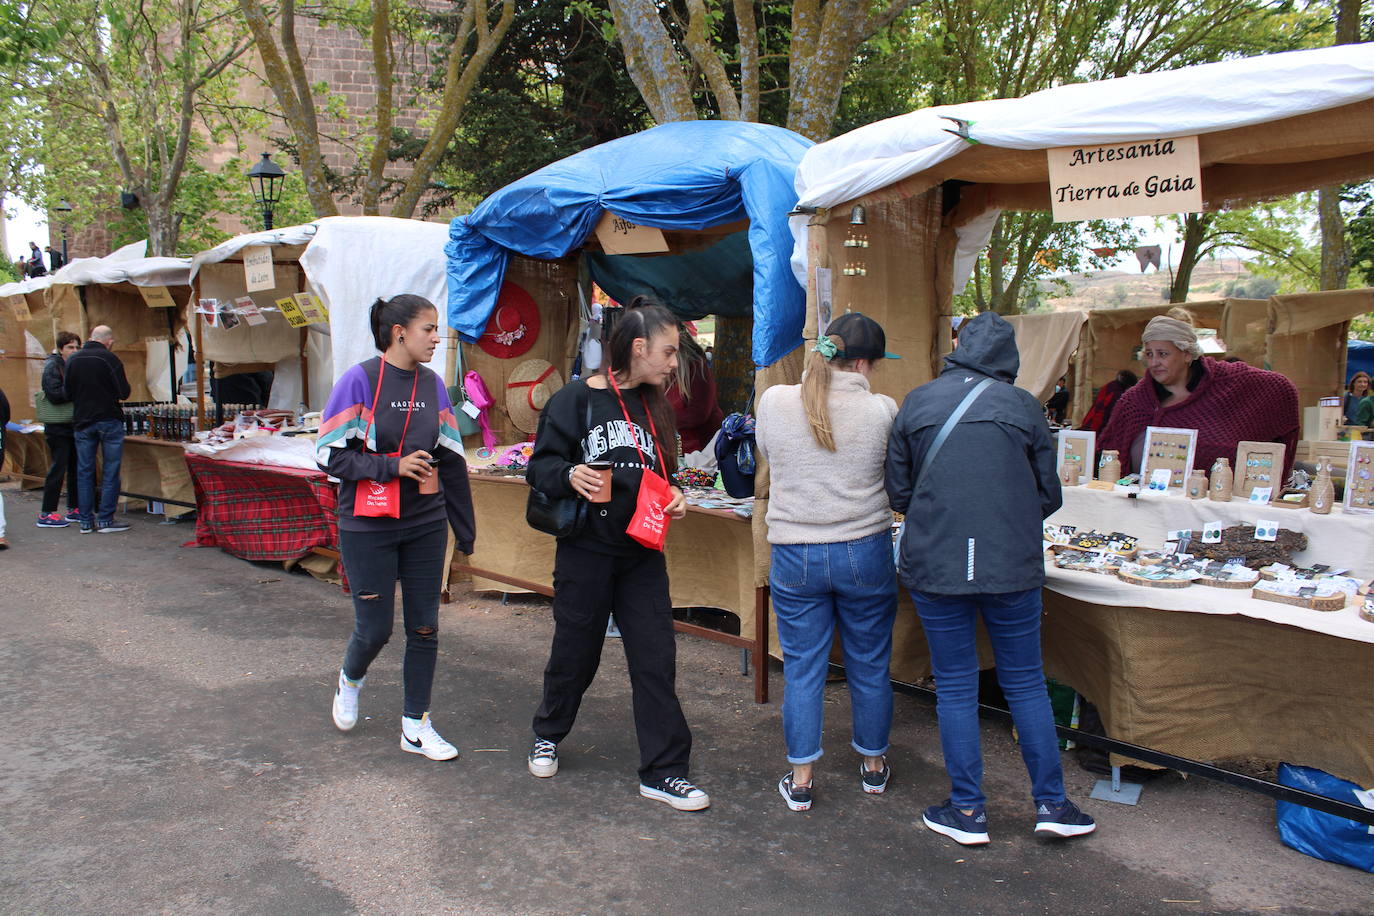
1227	403
830	528
623	419
61	438
1356	391
691	391
389	436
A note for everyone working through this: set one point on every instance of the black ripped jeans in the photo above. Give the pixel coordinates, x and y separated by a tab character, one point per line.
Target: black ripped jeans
375	561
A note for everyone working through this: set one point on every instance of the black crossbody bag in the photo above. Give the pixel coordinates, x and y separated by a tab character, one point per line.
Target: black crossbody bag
564	516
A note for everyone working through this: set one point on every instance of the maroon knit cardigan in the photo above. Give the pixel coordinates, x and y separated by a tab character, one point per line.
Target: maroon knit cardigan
1233	402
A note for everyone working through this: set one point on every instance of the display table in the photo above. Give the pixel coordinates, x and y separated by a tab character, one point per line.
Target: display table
710	563
151	469
1211	673
261	512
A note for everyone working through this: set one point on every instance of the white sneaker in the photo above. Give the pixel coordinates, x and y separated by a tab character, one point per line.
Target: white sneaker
419	737
346	703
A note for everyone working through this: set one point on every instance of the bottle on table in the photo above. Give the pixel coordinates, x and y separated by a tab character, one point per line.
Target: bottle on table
1223	481
1109	466
1197	484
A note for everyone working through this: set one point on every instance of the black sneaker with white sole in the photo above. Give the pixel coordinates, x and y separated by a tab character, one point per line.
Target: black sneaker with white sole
874	782
1058	821
798	798
543	758
676	791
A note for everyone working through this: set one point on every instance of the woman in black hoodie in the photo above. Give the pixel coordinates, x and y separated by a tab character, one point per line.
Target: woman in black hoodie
60	437
975	487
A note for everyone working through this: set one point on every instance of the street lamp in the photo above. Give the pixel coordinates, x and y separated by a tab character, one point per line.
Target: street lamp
266	178
64	208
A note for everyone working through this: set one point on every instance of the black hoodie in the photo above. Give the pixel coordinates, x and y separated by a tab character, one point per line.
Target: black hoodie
973	525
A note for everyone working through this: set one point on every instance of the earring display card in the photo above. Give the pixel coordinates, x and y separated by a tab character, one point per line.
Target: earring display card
1258	465
1359	479
1077	445
1166	447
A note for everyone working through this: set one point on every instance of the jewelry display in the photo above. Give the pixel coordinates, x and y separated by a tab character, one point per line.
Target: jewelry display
1170	448
1077	445
1359	479
1258	464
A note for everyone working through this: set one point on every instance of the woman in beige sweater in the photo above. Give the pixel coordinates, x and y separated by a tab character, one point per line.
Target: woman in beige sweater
829	524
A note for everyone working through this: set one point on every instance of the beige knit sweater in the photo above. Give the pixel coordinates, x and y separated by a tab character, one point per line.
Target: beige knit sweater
817	496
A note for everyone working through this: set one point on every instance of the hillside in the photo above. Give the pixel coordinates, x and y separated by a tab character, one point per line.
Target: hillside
1120	288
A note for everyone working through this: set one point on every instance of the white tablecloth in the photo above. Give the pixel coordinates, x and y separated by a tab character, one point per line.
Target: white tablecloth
1338	540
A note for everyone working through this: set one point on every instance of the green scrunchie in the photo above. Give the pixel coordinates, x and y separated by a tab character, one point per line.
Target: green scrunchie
826	348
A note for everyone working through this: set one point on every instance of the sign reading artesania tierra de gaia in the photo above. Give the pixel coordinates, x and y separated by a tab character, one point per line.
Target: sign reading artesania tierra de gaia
1139	178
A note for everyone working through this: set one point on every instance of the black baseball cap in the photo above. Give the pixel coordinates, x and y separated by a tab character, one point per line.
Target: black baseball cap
863	337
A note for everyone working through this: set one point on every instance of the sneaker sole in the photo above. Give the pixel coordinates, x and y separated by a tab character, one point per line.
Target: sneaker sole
543	770
680	804
432	755
111	530
793	805
1053	831
50	525
341	724
963	838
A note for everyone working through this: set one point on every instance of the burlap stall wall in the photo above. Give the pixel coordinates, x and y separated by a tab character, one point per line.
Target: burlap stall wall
14	365
553	286
249	346
1245	328
1307	338
121	307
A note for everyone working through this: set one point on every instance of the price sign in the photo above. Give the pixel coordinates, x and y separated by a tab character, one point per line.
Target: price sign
291	312
258	272
157	297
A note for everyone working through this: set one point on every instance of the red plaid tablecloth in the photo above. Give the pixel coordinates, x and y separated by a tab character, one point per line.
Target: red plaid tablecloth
259	512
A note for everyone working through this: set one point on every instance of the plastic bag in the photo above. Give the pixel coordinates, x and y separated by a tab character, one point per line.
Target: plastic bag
1320	835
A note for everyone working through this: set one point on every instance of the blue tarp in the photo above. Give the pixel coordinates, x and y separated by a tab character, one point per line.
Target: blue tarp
1359	358
686	175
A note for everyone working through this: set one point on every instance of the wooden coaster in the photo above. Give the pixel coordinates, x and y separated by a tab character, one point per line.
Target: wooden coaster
1313	602
1226	583
1135	579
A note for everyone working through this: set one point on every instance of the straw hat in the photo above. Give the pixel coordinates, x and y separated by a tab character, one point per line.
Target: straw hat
513	326
528	389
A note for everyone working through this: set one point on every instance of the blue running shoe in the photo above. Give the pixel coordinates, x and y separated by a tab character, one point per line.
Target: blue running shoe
964	829
1056	821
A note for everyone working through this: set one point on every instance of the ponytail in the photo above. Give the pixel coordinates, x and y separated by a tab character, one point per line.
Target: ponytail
387	313
815	389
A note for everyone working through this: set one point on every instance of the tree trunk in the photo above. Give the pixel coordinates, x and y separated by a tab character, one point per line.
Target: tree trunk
733	364
1195	226
1336	258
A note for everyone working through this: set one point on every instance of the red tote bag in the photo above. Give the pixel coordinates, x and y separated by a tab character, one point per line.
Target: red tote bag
649	525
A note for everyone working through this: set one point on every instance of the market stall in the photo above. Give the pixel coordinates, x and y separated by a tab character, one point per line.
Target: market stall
931	185
693	212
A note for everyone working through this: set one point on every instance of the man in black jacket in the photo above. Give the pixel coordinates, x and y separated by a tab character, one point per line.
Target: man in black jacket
61	437
972	546
96	384
4	418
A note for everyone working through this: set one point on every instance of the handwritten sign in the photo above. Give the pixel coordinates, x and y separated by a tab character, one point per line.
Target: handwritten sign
291	312
620	236
258	272
246	307
157	297
1140	178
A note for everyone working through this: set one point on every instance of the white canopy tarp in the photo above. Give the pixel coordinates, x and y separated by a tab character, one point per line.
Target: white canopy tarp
126	265
1173	103
288	235
354	260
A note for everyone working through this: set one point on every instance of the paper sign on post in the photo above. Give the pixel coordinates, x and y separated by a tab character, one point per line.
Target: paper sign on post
1139	178
824	301
258	272
620	236
249	310
291	312
157	297
209	310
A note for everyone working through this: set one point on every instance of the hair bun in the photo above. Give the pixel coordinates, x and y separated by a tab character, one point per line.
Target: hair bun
1179	313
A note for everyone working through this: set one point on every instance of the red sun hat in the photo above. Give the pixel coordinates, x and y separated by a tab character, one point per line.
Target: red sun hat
513	326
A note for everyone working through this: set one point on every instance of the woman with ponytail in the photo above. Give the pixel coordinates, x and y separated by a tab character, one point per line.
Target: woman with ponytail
389	436
622	422
830	527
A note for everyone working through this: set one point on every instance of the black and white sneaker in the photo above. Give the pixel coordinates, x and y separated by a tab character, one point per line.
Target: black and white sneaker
419	737
798	798
676	791
1057	821
543	758
111	528
874	782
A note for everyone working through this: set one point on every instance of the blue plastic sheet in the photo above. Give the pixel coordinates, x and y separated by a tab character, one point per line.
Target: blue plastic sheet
687	175
1324	836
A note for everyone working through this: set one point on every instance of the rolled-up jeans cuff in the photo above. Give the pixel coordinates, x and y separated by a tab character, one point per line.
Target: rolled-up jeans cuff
868	753
811	758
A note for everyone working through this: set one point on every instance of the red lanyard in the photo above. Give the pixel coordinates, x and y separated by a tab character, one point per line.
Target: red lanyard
377	394
610	375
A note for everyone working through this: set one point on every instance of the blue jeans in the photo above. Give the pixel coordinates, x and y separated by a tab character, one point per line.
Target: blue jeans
1012	620
108	437
817	587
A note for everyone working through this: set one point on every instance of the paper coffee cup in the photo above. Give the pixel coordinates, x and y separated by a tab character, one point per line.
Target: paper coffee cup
603	470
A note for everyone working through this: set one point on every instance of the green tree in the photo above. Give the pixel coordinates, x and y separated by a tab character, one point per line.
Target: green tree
1273	232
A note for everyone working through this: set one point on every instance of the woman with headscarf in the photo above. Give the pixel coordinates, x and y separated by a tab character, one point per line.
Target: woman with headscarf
1227	403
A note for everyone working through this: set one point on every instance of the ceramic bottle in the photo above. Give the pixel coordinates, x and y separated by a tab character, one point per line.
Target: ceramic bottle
1196	487
1109	467
1222	481
1323	492
1069	471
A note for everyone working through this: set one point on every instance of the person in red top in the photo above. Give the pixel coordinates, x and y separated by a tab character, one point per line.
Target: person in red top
692	393
1227	403
1101	410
